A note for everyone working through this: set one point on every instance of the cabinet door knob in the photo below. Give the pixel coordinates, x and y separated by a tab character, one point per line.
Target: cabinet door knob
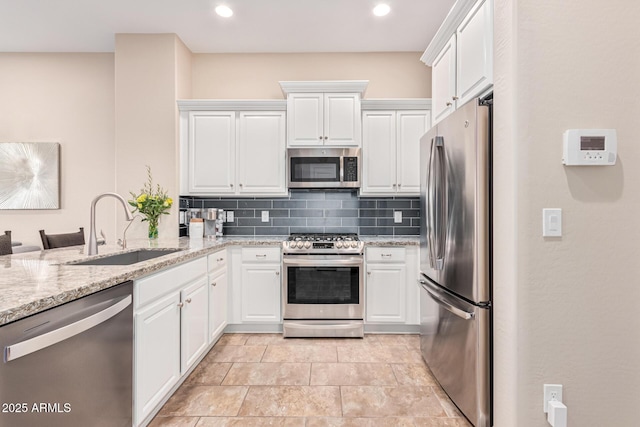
326	137
455	98
213	284
449	104
368	273
181	304
189	300
277	273
320	137
220	259
231	185
240	185
394	186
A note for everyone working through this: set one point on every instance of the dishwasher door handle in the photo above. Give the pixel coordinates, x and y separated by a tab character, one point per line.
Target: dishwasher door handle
23	348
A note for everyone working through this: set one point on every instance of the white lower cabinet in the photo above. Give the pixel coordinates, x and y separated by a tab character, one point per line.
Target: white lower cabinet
171	325
157	353
194	322
261	285
390	289
218	300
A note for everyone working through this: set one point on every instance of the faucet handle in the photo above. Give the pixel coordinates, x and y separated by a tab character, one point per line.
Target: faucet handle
122	244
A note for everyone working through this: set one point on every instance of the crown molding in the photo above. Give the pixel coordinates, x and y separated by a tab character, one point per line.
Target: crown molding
358	86
448	28
396	104
232	104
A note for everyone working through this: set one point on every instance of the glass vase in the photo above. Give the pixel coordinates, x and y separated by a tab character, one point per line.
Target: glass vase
153	228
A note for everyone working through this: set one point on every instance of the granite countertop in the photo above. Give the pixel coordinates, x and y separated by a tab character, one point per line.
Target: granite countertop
31	282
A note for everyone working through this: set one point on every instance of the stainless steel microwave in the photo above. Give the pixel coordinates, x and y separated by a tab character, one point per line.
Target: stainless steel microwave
323	167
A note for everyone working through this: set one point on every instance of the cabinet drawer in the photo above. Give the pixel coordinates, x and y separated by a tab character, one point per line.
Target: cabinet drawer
217	260
386	254
158	284
261	254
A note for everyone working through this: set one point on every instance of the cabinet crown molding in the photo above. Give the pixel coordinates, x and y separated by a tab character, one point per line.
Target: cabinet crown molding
357	86
396	104
448	28
232	104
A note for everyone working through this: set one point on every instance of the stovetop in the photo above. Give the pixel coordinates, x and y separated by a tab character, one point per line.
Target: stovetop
323	243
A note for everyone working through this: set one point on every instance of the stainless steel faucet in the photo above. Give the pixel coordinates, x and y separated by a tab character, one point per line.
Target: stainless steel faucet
92	247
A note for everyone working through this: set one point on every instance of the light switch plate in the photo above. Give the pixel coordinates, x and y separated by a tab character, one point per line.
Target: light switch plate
397	217
551	222
265	216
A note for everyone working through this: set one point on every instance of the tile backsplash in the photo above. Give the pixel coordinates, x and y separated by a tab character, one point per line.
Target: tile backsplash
313	211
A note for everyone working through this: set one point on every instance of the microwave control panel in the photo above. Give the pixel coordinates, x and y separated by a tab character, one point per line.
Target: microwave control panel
589	147
350	169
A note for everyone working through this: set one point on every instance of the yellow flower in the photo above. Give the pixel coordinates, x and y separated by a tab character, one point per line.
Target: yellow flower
139	205
141	199
167	203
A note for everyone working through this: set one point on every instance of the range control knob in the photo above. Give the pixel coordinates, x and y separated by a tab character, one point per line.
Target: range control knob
354	244
338	244
300	244
307	244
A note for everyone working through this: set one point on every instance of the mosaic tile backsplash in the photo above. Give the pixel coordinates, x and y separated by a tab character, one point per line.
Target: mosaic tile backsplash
313	211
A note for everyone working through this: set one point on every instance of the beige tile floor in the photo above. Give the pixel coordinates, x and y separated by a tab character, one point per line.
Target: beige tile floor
266	380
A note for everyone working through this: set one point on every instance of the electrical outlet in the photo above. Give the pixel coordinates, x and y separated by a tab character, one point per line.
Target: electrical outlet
552	392
265	216
397	217
230	216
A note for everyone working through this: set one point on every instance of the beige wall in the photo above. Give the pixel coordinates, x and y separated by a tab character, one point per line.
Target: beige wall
256	76
152	70
573	64
65	98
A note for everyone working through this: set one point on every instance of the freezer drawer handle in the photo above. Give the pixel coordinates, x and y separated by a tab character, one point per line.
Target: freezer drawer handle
449	307
34	344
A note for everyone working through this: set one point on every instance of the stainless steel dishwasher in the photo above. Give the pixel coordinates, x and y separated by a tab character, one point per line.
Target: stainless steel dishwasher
70	365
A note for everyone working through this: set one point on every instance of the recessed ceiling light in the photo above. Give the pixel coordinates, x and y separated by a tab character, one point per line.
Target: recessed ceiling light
224	11
381	9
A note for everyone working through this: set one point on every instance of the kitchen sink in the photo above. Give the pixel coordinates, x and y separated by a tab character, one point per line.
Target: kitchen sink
127	258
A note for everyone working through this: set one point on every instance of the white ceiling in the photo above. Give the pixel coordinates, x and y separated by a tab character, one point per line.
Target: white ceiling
256	26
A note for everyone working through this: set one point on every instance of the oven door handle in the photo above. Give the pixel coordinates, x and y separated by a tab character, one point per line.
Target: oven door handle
351	261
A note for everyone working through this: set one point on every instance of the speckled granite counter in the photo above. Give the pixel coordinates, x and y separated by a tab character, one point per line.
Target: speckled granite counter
390	240
35	281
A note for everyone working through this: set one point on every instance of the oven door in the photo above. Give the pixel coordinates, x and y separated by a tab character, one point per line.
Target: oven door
323	287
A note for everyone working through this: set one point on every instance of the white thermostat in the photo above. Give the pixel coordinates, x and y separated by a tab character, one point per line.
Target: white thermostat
589	147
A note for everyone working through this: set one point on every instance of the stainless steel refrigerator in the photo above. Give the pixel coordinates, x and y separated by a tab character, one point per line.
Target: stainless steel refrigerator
455	257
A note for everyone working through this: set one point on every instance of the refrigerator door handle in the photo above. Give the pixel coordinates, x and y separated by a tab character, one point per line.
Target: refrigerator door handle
430	205
434	293
440	193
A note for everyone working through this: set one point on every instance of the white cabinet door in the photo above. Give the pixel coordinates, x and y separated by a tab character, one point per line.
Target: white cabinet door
261	293
261	153
157	357
474	52
194	322
379	152
411	125
212	136
386	293
443	82
342	123
217	304
305	119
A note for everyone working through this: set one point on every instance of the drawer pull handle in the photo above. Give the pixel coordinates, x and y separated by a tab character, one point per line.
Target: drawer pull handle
261	256
385	255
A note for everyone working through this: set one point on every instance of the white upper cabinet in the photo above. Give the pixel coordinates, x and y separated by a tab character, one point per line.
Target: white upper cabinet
474	52
211	147
391	147
461	56
443	81
238	151
261	153
324	113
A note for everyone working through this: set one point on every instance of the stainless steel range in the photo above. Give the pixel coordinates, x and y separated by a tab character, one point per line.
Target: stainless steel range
323	293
